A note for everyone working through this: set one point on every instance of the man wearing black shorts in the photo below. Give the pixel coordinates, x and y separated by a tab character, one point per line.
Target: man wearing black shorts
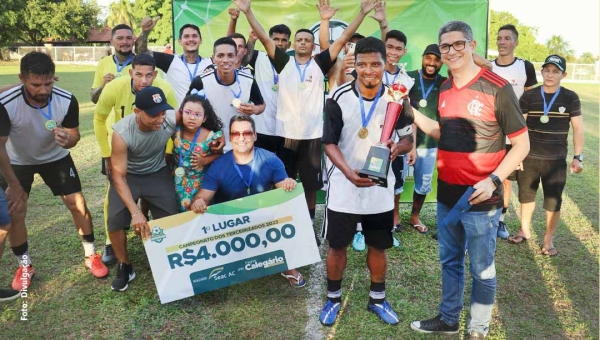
139	171
548	110
353	108
38	124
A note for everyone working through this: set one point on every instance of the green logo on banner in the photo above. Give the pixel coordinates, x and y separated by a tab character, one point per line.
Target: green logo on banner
158	235
238	272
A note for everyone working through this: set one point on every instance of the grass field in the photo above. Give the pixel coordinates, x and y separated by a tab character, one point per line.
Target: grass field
538	297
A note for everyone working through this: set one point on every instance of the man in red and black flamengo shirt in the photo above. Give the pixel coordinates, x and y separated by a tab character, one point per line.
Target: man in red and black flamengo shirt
478	109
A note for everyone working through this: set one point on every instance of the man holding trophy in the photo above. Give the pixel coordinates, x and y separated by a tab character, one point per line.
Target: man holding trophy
360	117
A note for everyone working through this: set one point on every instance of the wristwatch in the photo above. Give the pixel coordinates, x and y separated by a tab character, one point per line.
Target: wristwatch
579	158
496	180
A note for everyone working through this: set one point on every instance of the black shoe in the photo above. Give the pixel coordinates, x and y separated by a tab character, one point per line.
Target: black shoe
125	274
109	258
9	294
435	325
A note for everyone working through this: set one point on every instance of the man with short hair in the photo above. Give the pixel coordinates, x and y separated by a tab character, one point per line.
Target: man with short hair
180	70
245	170
520	73
548	110
39	123
300	97
424	94
358	106
139	171
478	110
118	96
116	65
230	91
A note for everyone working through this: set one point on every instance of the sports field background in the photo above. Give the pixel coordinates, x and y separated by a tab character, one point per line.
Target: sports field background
538	297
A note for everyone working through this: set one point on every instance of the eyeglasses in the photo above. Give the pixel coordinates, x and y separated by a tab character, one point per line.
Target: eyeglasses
244	134
196	115
457	45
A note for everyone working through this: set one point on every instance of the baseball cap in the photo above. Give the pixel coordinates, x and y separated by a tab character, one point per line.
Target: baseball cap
433	49
556	60
152	100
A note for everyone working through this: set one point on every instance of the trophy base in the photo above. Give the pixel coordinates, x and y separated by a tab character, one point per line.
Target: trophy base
377	165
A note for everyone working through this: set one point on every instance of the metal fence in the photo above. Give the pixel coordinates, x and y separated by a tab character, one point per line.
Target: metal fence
70	54
577	73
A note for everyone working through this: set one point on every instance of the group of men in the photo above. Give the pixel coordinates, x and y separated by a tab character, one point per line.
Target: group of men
274	105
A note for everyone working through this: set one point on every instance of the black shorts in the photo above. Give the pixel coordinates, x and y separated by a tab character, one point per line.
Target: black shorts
60	176
158	189
303	157
268	142
513	175
339	229
553	175
398	169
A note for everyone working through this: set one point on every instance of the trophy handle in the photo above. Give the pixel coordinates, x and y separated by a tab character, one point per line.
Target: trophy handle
391	117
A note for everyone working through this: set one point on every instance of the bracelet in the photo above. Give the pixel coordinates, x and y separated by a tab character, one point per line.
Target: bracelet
135	214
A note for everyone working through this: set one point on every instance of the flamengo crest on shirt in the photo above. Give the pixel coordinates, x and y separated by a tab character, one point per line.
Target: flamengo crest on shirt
474	107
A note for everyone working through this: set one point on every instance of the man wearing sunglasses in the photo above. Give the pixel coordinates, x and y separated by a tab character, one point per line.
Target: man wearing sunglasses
245	170
478	109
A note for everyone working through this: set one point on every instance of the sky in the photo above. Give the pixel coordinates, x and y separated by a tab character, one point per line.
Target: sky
577	21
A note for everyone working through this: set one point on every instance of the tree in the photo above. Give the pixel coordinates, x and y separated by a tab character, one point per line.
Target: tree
528	48
163	31
34	21
121	12
558	45
587	58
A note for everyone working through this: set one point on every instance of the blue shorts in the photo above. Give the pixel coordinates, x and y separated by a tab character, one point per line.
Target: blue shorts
4	215
423	170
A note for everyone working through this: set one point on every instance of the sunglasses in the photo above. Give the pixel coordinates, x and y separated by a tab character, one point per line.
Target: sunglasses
245	134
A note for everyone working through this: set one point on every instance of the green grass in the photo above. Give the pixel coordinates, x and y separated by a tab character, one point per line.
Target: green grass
538	297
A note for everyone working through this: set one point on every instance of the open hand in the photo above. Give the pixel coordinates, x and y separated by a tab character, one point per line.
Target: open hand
325	10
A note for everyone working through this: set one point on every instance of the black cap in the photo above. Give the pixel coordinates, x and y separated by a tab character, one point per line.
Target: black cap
152	100
556	60
433	49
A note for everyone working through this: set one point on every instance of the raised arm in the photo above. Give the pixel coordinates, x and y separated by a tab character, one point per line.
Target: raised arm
244	6
326	12
141	43
234	14
381	17
365	7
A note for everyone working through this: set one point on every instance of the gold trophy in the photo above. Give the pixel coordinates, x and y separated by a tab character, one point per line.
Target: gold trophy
377	164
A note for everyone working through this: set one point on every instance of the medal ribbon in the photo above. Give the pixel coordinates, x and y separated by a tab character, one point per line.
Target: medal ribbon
237	80
192	75
365	120
48	115
125	63
548	106
426	94
276	76
303	72
387	81
184	154
237	168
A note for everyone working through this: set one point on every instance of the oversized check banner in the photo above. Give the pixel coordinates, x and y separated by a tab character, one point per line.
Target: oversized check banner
231	243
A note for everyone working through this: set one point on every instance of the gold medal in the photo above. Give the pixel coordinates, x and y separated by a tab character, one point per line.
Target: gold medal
50	124
275	87
179	171
422	103
236	103
544	119
363	133
302	86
